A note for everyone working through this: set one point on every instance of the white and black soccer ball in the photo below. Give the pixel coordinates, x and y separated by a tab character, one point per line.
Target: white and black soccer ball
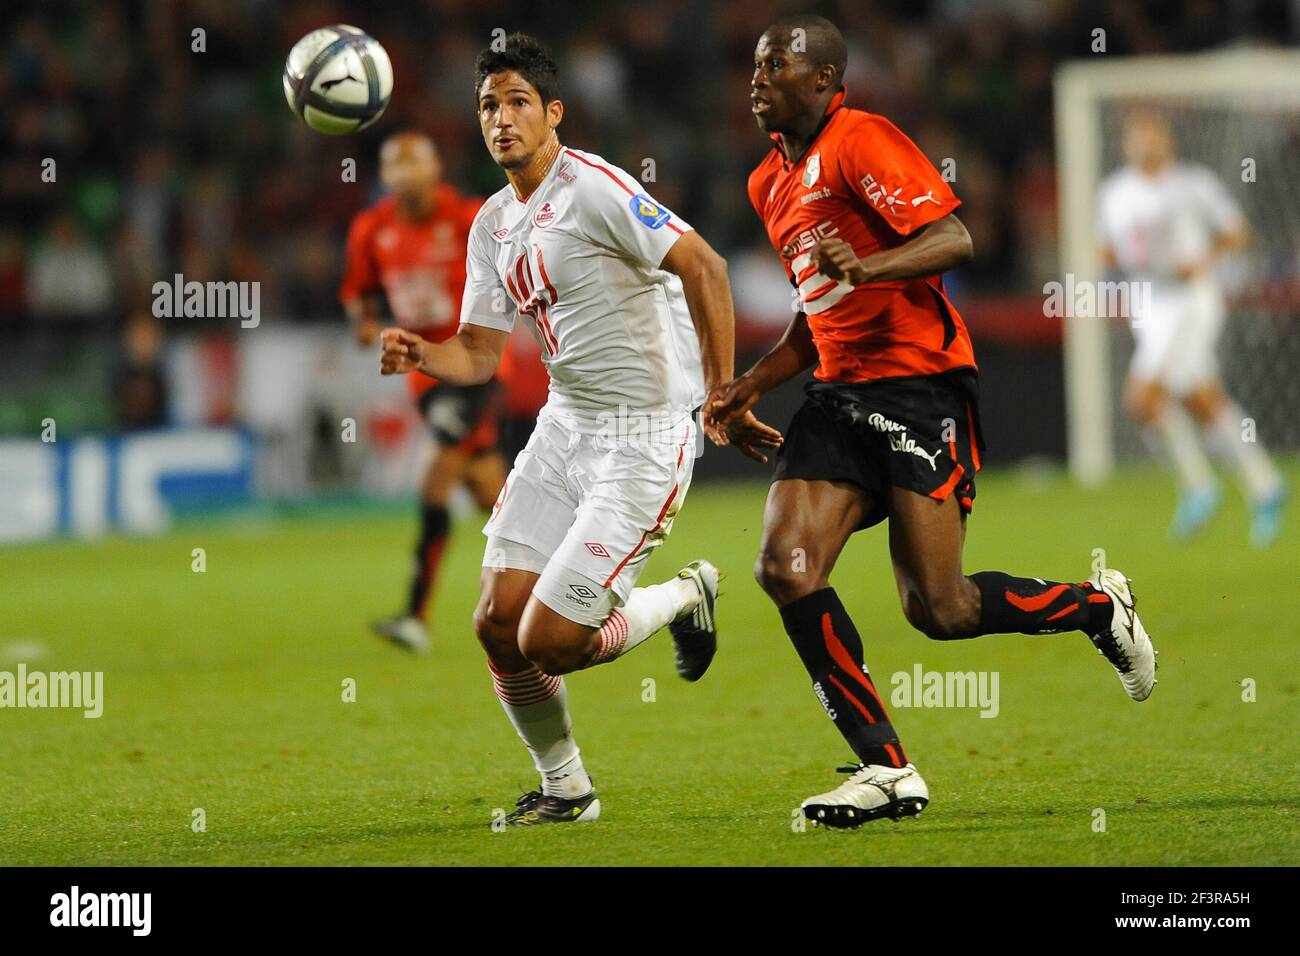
338	79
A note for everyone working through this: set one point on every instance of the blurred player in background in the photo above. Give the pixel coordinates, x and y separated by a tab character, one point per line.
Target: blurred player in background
410	248
526	390
634	314
1169	223
864	226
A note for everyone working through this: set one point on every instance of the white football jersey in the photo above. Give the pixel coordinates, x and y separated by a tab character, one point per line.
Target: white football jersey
1157	224
580	259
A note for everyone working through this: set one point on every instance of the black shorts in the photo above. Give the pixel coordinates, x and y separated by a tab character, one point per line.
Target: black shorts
921	433
465	417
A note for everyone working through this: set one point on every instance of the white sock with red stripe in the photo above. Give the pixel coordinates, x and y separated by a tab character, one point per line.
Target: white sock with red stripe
538	706
647	611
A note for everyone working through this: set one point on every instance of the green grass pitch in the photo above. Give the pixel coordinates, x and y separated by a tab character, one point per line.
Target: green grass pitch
223	691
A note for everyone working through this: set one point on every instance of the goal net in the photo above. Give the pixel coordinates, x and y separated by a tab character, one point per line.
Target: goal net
1239	114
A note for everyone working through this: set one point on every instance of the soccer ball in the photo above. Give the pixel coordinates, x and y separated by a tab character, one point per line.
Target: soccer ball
338	79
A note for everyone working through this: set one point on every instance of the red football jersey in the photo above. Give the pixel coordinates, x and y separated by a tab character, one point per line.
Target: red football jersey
862	180
419	265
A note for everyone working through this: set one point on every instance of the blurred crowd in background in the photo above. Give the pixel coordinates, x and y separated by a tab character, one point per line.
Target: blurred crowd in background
169	160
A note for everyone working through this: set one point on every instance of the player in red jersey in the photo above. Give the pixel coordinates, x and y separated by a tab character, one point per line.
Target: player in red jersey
410	246
864	225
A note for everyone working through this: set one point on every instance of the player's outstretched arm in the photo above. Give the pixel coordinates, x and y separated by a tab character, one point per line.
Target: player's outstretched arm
727	410
366	317
470	357
708	297
793	353
938	247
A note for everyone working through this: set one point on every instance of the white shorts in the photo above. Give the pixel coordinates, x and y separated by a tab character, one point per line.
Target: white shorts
1177	337
586	511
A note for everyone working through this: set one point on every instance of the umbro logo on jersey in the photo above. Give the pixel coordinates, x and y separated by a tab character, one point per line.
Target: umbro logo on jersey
812	170
596	548
500	234
648	211
544	216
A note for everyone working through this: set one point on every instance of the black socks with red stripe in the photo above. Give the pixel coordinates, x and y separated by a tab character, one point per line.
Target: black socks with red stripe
1031	606
829	646
434	524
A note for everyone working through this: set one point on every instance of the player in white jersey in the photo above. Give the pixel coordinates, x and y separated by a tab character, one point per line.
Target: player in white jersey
634	315
1169	223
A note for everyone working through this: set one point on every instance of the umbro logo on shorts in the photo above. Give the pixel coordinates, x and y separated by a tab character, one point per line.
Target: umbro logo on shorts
596	548
582	591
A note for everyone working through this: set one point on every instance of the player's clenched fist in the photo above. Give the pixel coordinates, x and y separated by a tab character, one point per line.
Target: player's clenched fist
835	259
401	351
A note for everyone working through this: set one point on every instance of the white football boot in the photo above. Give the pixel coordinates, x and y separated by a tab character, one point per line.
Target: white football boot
1125	643
407	632
872	792
695	633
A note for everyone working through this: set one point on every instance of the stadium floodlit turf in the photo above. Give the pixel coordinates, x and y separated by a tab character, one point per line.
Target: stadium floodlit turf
224	693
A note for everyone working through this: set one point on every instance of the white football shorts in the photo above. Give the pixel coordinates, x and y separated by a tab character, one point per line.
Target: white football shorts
586	511
1177	337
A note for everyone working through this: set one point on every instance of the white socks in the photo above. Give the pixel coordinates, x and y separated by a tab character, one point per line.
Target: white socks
538	706
647	611
1180	439
1259	476
1183	441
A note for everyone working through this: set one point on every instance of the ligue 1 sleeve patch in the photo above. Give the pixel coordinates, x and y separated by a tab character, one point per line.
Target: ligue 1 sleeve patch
648	211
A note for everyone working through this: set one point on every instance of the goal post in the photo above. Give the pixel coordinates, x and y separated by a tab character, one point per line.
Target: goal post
1226	108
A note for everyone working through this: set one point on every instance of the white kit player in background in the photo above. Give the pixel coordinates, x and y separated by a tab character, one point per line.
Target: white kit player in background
634	316
1169	223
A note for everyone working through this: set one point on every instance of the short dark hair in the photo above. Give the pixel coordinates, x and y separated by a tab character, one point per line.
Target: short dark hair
526	56
824	44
